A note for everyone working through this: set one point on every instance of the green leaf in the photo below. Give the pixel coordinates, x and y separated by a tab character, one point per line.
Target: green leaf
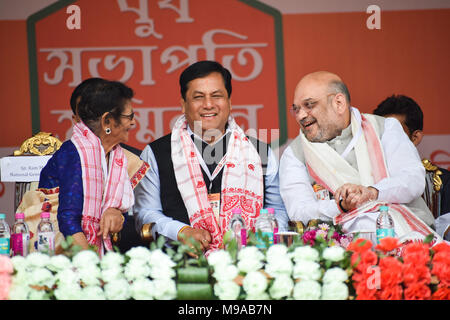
428	238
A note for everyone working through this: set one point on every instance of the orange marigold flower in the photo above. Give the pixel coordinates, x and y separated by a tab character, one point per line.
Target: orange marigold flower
388	244
360	245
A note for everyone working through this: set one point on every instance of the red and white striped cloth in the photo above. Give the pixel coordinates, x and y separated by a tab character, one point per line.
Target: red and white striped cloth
330	170
242	181
103	187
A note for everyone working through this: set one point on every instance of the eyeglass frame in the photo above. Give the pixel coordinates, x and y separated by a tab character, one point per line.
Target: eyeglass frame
307	109
128	116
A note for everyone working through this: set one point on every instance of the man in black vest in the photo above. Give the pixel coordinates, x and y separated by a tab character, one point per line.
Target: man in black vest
213	162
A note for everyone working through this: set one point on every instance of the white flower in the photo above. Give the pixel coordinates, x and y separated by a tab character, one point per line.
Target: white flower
227	290
85	259
108	275
305	253
165	289
19	263
93	293
334	291
67	277
41	277
258	296
162	272
90	276
59	262
276	252
19	292
281	287
254	283
250	259
117	290
68	292
335	275
307	270
307	290
38	295
140	253
21	278
334	254
136	269
37	260
225	272
280	266
142	289
112	260
219	257
159	259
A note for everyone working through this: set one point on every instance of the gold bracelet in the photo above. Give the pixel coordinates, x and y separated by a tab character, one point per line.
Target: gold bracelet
181	230
123	218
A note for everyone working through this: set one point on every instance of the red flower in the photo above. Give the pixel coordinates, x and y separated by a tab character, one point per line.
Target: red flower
416	253
441	247
441	294
391	293
388	244
391	272
413	274
360	245
363	260
364	293
441	267
417	291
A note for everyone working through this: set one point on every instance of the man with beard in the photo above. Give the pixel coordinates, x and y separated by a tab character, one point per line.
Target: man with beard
344	165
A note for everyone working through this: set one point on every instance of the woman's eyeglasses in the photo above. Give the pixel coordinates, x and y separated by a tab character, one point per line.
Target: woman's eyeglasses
128	116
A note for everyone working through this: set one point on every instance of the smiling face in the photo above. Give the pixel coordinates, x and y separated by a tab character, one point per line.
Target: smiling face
320	113
207	105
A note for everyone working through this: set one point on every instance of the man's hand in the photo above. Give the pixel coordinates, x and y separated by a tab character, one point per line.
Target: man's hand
353	195
199	235
111	222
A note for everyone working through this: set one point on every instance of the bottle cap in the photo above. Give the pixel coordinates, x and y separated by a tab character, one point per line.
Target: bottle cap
271	210
263	211
384	208
20	215
45	214
2	216
236	210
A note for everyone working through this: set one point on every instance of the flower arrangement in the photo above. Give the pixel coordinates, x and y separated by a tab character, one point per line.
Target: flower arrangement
393	271
330	233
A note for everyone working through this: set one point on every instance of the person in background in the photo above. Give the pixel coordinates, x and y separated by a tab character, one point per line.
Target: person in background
410	115
89	171
206	161
362	160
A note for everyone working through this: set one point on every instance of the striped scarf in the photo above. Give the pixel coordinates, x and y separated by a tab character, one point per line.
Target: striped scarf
242	181
103	186
331	171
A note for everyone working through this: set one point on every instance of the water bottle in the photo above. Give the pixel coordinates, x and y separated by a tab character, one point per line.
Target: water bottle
20	238
264	224
385	224
5	236
45	235
237	226
274	221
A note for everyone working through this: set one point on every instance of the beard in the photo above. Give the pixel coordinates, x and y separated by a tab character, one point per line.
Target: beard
315	132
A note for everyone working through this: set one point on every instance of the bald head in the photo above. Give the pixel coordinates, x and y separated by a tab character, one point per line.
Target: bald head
321	102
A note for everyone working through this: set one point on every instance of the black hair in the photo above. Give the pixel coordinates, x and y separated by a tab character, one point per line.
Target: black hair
78	91
100	97
402	105
340	87
202	69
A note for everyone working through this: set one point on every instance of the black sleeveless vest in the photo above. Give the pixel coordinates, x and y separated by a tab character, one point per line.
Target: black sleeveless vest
171	200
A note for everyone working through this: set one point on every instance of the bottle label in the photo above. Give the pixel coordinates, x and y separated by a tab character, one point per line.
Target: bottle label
20	243
260	240
383	233
46	241
4	246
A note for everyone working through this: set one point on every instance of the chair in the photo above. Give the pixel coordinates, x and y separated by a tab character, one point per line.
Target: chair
433	187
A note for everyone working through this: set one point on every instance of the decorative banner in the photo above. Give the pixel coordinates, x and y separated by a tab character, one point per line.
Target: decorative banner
147	44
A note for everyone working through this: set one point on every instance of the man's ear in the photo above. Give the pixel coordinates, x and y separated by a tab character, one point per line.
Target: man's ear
416	137
340	103
183	105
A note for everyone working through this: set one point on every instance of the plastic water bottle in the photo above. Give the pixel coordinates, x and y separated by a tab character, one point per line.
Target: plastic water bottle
385	224
274	221
237	225
45	235
20	238
264	224
5	236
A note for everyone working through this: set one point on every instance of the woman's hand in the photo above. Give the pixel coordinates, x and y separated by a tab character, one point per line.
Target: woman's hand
111	222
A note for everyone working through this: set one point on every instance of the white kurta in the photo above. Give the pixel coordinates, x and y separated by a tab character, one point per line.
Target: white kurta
405	183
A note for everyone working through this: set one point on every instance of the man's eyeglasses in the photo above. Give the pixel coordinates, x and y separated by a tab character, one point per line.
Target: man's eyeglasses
128	116
307	105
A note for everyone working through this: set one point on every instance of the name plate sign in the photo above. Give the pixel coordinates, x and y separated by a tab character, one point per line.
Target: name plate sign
22	169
